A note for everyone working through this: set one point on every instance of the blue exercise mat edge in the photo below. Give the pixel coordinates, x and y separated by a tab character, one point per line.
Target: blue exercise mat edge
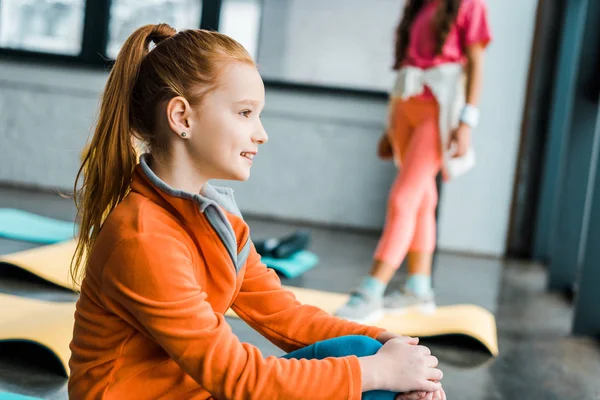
293	266
16	224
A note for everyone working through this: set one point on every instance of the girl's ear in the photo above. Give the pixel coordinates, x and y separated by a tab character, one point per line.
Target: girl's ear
179	111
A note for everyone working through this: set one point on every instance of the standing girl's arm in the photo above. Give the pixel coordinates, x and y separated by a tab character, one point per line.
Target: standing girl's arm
475	54
474	28
462	135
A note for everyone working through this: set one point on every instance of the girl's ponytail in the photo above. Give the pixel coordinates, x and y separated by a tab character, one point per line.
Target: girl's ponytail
109	160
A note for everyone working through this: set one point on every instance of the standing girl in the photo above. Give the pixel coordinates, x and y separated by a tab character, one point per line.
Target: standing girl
163	254
433	108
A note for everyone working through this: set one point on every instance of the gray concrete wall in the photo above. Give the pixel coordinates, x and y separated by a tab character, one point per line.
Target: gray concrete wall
320	151
46	115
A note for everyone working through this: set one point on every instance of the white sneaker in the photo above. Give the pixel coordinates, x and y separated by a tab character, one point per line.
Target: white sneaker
400	302
362	308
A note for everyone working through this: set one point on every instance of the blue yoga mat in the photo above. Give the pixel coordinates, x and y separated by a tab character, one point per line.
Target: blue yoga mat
293	266
14	396
22	225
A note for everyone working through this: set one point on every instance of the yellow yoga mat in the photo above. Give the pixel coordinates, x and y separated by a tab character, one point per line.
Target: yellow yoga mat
52	264
50	324
462	319
47	324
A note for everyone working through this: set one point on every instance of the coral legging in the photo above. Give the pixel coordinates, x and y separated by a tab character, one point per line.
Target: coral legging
410	221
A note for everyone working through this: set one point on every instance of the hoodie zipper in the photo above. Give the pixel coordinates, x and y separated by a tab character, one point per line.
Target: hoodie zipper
221	226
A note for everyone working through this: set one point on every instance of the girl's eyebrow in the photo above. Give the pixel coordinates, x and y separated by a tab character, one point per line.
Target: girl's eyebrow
255	103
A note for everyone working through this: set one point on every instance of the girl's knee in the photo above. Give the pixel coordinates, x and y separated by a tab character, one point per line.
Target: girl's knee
431	195
403	203
360	346
363	345
429	202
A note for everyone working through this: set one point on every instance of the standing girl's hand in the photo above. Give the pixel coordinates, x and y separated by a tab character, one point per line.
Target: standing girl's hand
384	147
460	139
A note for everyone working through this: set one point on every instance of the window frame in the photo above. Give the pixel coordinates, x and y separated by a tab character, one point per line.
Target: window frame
95	40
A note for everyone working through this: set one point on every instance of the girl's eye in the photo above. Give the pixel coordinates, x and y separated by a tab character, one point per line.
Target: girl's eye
246	113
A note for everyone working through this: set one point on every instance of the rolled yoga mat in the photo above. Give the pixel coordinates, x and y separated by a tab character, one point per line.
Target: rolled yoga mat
44	323
52	263
22	225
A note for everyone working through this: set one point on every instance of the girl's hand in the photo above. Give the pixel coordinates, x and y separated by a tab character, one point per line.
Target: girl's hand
412	396
384	148
401	367
385	336
438	395
460	139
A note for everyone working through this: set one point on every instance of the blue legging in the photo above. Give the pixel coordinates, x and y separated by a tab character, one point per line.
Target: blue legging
360	346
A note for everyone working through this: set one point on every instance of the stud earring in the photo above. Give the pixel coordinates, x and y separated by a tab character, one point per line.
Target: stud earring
183	134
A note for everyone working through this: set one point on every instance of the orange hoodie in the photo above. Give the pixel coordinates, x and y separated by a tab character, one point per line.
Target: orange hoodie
149	322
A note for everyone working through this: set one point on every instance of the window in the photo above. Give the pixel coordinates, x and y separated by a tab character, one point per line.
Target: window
340	43
327	44
47	26
128	15
240	19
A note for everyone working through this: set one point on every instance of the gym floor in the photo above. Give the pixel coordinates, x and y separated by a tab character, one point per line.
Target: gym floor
538	358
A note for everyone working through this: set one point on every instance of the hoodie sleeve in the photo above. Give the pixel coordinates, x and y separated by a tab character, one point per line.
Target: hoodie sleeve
150	282
274	311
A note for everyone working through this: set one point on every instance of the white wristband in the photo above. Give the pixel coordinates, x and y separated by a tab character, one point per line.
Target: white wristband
470	115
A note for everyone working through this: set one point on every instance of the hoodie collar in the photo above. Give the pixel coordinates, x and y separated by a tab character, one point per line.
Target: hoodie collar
146	182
